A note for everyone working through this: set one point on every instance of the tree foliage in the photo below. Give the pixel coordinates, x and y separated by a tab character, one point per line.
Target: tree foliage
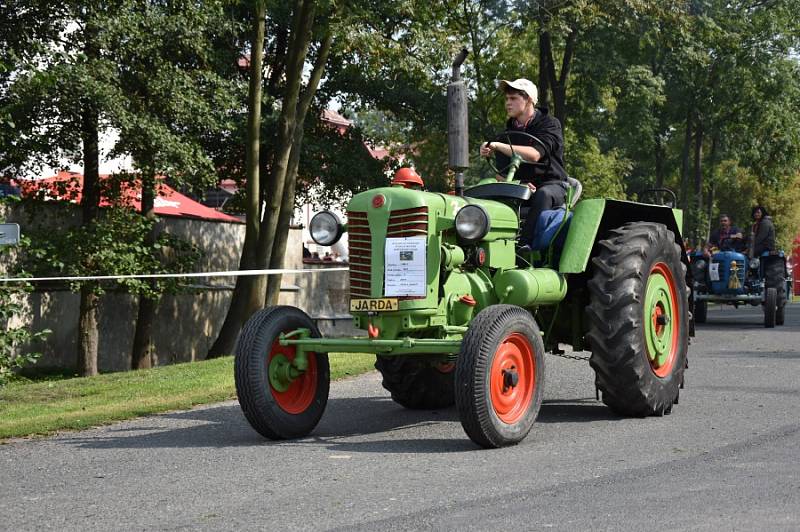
651	94
15	335
142	70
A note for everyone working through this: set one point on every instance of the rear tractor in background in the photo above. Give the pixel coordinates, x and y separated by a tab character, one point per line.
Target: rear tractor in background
729	277
456	314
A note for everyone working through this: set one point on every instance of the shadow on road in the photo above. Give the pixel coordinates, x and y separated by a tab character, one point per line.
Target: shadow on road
225	426
344	422
575	411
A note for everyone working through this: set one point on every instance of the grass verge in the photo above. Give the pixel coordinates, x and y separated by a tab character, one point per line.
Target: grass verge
39	408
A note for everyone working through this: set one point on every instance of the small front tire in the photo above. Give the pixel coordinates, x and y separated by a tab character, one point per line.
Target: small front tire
500	376
276	411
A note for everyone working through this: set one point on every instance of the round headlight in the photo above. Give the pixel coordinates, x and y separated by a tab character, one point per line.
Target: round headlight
754	263
472	223
701	265
325	228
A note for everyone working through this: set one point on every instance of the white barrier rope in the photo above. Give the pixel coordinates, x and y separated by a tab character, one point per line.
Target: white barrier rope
232	273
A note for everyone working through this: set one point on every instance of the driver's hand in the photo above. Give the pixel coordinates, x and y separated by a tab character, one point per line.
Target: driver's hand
532	187
487	149
737	235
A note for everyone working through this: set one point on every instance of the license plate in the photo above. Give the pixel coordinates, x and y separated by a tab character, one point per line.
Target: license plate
386	304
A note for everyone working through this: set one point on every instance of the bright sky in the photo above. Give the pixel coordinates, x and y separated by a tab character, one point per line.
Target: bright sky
107	166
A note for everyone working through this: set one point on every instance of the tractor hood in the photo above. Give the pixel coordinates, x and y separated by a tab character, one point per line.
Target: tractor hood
406	205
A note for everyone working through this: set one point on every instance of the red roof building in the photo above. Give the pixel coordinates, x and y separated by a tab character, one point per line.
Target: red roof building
67	186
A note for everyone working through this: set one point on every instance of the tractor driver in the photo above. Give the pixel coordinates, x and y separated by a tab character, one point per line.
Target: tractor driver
547	179
726	237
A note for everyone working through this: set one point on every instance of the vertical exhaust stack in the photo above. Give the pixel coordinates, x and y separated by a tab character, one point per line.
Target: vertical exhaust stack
458	123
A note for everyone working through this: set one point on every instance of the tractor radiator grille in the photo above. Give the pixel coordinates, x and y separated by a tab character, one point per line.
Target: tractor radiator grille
402	224
360	243
408	222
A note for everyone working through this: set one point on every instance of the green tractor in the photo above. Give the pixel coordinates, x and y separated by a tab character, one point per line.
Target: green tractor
456	314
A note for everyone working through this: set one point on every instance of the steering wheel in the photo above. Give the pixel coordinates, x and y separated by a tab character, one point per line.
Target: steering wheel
515	160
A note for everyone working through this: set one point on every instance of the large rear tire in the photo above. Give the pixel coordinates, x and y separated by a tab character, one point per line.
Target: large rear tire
770	307
639	319
416	383
500	376
780	314
775	277
279	408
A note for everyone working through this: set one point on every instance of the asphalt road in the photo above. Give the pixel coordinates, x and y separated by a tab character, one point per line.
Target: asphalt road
728	458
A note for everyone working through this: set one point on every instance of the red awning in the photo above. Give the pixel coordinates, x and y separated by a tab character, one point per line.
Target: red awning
67	186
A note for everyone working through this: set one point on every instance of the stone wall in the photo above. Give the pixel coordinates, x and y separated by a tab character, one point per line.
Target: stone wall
186	324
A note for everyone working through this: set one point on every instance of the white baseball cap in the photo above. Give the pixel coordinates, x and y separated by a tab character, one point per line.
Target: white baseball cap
521	84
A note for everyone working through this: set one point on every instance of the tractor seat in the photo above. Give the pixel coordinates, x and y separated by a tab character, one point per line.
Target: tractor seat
500	191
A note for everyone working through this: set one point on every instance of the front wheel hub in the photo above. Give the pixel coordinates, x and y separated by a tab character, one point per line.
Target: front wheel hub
282	373
510	378
292	377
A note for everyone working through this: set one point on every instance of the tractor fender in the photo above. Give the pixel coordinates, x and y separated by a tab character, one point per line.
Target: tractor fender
594	218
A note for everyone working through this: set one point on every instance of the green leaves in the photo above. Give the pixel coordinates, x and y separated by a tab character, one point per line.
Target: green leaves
115	244
14	334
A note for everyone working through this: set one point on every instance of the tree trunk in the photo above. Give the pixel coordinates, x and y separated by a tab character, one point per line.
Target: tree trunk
712	159
544	65
560	89
87	332
298	48
659	154
287	206
698	175
90	204
558	83
273	291
248	292
687	144
278	63
142	352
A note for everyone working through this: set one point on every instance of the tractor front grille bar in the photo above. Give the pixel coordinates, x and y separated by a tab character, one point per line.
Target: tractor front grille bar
360	243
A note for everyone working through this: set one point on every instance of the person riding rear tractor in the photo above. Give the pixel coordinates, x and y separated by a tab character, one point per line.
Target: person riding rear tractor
541	144
762	235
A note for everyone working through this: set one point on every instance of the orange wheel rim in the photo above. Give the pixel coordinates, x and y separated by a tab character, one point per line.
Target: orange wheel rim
512	379
302	390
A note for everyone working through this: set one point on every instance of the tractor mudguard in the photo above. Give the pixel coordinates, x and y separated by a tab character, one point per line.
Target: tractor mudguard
593	218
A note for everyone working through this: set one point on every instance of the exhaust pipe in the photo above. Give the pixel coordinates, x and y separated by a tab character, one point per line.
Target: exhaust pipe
458	123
